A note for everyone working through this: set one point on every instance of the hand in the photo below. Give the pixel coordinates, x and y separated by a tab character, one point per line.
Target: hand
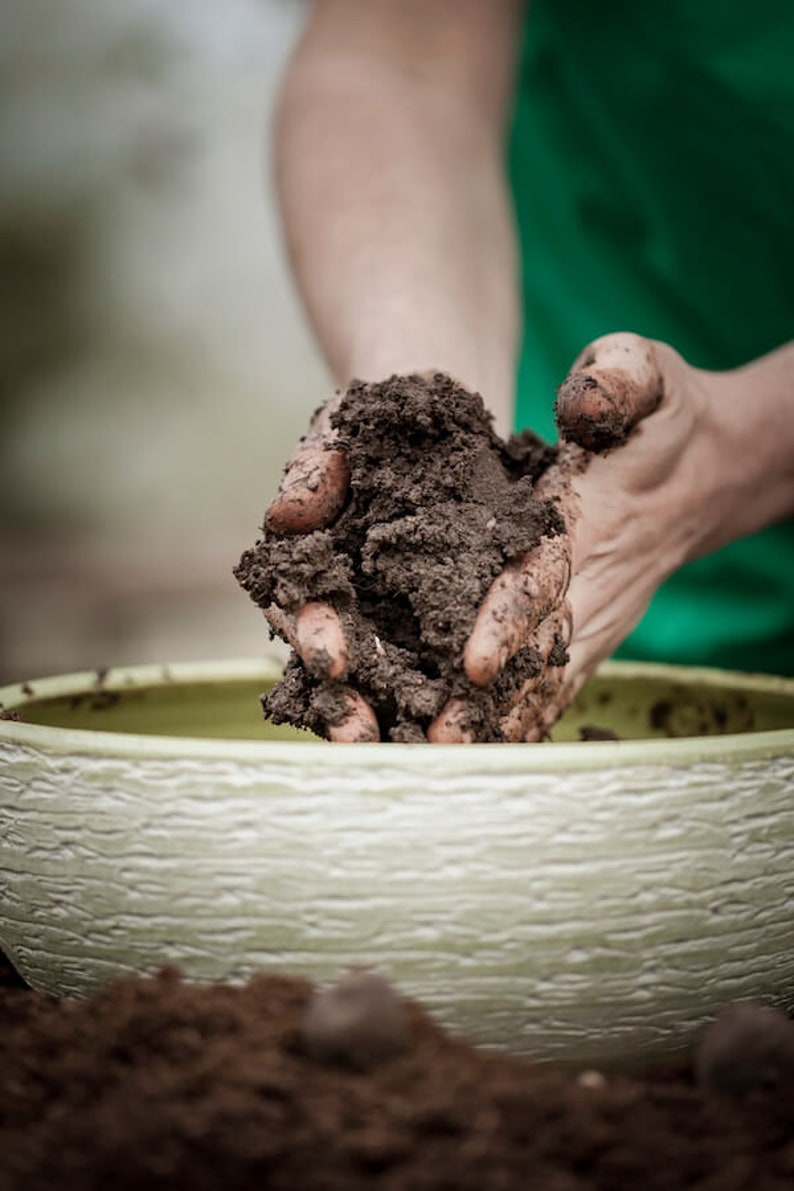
634	515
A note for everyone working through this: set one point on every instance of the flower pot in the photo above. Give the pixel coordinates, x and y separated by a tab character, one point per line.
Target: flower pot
579	901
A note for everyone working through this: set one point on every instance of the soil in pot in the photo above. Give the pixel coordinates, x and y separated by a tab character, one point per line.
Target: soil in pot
161	1084
437	505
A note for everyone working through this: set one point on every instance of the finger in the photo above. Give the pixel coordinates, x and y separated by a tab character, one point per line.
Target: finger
544	697
613	385
313	489
320	641
282	624
312	492
358	726
448	726
521	597
313	635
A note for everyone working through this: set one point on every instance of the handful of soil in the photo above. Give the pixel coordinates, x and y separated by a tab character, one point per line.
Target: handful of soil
437	505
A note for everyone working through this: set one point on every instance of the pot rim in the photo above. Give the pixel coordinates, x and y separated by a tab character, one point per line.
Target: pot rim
512	758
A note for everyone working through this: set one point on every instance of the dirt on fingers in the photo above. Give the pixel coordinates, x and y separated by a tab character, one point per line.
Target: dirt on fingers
436	506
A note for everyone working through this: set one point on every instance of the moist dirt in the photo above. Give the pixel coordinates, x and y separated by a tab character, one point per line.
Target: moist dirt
437	505
156	1083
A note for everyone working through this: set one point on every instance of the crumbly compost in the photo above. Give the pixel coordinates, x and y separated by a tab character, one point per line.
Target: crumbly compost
158	1084
438	503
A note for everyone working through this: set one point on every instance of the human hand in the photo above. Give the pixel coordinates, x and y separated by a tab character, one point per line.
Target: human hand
311	495
637	511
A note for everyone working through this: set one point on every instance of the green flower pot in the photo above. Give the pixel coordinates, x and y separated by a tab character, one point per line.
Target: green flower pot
581	902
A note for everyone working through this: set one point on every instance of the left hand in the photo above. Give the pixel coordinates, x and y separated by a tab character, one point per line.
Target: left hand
639	482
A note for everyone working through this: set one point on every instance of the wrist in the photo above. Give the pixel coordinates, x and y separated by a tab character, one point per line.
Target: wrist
749	467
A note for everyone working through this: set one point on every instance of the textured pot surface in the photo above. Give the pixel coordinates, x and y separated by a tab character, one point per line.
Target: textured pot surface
578	901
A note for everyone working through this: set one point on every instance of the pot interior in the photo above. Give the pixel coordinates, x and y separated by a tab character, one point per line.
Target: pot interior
628	702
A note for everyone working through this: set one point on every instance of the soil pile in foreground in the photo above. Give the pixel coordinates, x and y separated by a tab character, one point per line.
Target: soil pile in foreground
437	505
159	1084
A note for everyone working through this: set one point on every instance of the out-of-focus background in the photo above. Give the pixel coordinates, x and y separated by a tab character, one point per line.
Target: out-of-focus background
156	368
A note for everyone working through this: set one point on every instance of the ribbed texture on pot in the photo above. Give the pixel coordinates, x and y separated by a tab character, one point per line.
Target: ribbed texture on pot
576	916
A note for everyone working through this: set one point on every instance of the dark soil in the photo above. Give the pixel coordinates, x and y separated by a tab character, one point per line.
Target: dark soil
437	505
160	1084
594	732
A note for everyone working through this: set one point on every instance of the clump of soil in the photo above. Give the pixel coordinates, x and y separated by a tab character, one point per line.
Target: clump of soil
595	732
437	505
161	1084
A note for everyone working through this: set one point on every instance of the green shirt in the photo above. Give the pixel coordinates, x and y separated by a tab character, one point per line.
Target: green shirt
652	164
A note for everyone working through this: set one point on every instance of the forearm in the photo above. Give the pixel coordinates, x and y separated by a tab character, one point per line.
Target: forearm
398	220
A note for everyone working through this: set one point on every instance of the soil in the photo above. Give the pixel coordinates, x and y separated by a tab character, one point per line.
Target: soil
155	1083
437	505
595	732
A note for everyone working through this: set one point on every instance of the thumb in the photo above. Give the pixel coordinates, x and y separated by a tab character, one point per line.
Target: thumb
613	385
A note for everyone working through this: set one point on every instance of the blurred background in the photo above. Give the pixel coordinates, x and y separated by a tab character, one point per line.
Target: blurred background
156	368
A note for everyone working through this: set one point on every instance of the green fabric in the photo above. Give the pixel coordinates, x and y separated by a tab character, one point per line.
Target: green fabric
652	163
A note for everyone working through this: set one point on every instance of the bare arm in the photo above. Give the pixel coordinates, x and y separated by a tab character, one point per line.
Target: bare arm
389	156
